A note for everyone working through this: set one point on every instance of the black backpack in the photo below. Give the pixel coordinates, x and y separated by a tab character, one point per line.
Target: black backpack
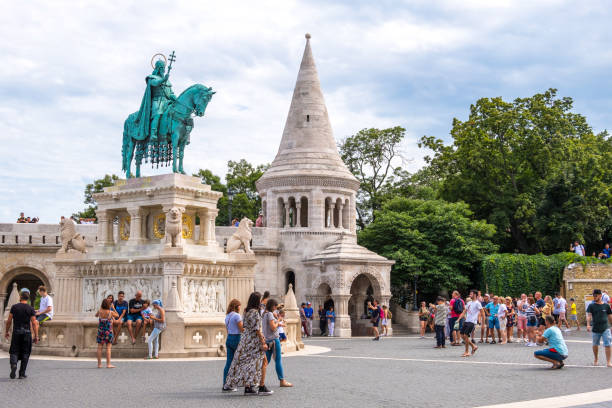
458	306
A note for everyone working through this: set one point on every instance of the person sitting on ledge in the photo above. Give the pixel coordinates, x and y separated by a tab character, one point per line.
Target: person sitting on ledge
21	219
557	351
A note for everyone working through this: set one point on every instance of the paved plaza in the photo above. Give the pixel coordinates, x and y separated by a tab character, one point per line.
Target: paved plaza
401	371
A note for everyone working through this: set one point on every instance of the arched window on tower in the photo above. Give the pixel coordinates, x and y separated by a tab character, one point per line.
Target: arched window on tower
345	214
328	213
281	212
303	212
289	279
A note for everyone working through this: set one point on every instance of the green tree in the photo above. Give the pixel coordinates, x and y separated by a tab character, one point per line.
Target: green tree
241	177
434	242
90	189
371	155
524	166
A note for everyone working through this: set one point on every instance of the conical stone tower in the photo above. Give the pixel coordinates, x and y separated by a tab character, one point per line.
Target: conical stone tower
308	187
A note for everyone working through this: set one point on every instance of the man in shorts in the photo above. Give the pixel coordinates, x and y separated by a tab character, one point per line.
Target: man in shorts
557	351
121	307
484	327
600	314
472	313
493	309
135	306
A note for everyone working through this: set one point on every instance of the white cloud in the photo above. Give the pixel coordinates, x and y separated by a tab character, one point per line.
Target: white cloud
73	71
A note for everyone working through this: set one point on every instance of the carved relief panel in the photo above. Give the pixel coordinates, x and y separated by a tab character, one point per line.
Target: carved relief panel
203	295
95	290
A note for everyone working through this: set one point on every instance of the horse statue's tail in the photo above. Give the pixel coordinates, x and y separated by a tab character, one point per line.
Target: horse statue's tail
127	127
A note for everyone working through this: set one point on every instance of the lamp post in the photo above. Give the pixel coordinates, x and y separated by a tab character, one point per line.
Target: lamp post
230	199
415	305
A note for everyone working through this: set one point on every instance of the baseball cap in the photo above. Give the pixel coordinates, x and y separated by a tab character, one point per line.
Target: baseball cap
596	292
24	290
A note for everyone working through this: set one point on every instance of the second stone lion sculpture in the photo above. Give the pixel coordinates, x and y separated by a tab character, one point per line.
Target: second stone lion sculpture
70	238
174	227
241	238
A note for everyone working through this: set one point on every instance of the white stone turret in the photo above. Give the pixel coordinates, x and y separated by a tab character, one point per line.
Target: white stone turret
308	185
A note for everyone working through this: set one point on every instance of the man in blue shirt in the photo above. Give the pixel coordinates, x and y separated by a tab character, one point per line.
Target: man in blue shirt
309	312
605	253
557	351
493	308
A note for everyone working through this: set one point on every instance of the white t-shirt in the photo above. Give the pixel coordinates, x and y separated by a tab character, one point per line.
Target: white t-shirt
560	304
45	302
472	312
501	312
579	250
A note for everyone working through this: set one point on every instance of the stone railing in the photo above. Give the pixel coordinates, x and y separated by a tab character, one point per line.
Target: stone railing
41	234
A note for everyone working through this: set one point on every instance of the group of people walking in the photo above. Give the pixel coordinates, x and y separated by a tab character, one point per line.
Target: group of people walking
253	339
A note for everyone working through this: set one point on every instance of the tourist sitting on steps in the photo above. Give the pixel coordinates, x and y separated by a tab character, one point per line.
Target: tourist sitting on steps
45	312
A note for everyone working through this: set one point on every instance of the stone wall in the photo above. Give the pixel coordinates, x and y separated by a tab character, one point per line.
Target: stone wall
580	280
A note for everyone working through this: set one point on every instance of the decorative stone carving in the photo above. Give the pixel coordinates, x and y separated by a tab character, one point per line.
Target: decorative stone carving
188	226
174	229
159	226
124	228
241	238
70	238
203	295
94	289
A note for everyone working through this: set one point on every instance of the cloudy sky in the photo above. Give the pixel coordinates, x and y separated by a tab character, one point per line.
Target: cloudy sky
71	72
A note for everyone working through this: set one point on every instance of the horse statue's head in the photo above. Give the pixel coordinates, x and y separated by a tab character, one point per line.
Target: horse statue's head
201	99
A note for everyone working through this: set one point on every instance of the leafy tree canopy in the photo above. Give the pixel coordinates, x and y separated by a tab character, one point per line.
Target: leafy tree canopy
532	168
433	241
241	177
371	155
90	189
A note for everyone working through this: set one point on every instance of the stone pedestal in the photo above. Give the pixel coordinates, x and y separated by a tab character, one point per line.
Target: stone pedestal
191	273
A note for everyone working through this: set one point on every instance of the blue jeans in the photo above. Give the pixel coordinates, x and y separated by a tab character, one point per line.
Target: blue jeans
231	344
277	358
550	354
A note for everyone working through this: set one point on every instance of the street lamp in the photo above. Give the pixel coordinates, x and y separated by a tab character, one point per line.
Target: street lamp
230	199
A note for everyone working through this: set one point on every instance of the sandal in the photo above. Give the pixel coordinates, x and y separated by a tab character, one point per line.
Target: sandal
285	383
493	342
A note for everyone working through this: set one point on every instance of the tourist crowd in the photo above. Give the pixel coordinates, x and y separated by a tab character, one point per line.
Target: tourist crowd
26	220
531	319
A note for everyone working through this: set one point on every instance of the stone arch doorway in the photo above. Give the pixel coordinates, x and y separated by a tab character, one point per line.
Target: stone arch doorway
364	289
24	277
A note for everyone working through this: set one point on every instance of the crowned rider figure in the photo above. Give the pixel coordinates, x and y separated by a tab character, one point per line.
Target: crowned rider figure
154	102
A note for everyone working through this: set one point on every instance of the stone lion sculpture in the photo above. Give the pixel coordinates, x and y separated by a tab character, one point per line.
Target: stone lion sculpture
241	238
70	238
174	227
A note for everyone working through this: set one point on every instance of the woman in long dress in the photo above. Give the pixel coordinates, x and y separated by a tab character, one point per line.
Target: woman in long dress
248	367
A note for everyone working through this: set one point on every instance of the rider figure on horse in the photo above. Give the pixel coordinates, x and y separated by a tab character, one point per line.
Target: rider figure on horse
158	95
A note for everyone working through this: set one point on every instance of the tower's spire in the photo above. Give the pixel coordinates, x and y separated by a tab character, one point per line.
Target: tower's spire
308	146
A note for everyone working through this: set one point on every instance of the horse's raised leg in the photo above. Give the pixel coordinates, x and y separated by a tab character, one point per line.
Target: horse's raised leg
181	154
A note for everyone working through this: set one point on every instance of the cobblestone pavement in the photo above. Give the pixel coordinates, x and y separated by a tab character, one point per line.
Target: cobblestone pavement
401	371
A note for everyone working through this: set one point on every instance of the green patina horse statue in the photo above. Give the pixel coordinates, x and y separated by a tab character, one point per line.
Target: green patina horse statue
173	132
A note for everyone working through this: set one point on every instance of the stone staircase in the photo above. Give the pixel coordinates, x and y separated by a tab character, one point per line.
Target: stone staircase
404	322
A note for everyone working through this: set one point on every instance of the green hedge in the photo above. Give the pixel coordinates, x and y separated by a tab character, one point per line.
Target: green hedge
513	274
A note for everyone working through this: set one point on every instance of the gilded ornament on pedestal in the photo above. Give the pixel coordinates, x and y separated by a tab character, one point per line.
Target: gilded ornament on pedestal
124	228
187	226
159	226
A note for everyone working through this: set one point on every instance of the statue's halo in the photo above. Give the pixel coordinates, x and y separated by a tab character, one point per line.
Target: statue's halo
153	60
